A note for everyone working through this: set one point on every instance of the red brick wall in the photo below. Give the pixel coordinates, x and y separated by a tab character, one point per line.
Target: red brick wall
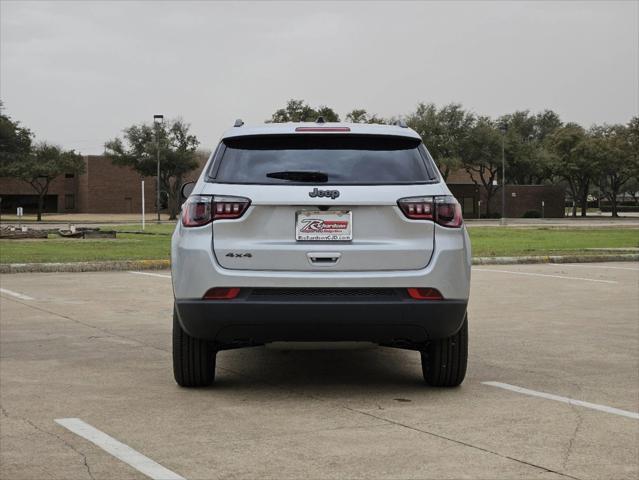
102	188
527	197
59	187
522	198
108	188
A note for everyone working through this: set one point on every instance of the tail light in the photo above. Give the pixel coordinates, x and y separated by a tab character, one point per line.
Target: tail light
221	293
424	294
198	210
229	207
444	210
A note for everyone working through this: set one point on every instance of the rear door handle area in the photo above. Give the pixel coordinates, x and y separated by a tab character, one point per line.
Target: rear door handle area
323	259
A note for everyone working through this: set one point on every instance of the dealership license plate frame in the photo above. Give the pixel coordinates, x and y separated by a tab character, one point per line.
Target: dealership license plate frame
342	235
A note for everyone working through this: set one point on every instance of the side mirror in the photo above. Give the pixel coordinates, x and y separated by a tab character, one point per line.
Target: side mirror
186	189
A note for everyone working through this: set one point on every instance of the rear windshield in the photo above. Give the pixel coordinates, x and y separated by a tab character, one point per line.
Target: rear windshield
322	158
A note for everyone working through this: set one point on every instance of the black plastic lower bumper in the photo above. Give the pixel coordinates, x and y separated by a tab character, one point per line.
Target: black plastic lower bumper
254	321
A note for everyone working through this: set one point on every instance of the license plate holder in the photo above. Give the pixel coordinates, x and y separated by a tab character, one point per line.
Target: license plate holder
324	225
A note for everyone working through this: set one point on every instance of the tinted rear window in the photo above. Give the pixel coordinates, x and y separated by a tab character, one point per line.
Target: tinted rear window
344	159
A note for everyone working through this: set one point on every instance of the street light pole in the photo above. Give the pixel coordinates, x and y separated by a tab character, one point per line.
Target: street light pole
143	213
503	175
158	120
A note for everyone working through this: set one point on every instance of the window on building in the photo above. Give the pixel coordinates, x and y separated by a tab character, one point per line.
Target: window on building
69	175
69	202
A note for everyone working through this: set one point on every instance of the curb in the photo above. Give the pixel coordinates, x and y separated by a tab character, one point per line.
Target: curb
86	266
166	264
622	257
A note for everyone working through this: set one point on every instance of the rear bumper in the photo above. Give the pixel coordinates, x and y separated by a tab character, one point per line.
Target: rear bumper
245	321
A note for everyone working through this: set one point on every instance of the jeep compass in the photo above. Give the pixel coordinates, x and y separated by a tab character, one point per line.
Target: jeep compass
320	232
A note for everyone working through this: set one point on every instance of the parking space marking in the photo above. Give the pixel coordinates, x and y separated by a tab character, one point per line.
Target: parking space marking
16	294
118	449
151	274
558	398
598	266
563	277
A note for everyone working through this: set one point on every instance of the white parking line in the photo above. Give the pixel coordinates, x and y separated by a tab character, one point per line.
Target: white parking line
16	294
542	275
119	450
152	274
570	401
597	266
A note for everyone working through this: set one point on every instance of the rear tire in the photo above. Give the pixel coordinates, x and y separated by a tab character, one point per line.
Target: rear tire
193	359
444	361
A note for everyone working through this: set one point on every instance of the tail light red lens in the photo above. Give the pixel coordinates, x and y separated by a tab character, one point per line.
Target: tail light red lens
229	207
198	210
221	293
425	294
418	208
444	210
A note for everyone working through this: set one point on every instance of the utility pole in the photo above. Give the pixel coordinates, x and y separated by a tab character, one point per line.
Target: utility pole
503	129
158	120
143	213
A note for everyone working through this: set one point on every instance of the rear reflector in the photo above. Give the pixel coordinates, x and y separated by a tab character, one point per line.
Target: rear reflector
322	129
221	293
425	294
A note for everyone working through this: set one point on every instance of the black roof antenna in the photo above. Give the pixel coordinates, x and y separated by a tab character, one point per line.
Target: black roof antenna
238	123
320	119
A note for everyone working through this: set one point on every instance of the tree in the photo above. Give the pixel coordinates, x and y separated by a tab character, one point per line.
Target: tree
443	132
299	111
481	157
177	154
42	165
633	145
615	150
327	113
574	162
546	123
359	115
529	161
15	142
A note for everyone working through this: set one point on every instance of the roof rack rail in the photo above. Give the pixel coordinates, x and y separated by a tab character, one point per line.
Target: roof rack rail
320	119
238	123
400	123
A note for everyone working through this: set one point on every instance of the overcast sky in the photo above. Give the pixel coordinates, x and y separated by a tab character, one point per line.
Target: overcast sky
77	73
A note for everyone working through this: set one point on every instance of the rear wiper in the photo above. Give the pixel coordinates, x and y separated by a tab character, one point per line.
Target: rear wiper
300	176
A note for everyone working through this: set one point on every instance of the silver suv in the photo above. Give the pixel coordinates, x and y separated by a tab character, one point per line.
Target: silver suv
320	232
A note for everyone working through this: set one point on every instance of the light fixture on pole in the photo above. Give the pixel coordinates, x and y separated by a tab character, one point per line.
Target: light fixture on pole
158	120
503	128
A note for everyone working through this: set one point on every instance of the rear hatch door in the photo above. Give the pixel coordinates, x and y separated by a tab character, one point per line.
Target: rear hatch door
321	202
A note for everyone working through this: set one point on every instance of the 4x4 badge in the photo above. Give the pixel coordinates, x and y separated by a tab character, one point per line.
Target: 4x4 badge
324	193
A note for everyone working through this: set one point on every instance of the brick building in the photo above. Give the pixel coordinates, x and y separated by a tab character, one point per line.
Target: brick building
102	188
519	198
107	188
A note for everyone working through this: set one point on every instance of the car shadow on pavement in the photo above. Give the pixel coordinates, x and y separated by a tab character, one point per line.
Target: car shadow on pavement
376	368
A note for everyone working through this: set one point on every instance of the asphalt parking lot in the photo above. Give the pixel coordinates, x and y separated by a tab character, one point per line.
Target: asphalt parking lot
96	347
